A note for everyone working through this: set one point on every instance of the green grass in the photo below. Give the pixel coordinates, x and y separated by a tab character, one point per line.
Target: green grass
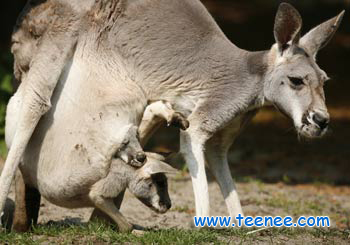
181	209
294	206
98	233
3	149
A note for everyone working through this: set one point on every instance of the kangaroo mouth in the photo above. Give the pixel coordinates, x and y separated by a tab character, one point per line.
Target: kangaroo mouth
306	130
311	131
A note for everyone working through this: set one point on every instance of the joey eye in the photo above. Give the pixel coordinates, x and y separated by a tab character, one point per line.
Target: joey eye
296	81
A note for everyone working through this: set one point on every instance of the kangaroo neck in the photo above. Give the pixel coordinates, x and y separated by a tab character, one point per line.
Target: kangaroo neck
243	77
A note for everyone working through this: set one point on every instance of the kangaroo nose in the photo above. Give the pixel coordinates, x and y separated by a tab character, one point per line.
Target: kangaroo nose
165	204
320	120
141	157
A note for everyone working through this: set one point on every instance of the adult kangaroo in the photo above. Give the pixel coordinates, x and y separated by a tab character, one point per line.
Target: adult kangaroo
174	50
177	52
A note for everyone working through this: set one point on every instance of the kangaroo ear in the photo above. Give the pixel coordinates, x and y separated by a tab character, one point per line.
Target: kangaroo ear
155	166
288	25
319	37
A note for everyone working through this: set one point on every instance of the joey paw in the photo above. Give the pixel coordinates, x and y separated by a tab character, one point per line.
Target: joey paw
179	120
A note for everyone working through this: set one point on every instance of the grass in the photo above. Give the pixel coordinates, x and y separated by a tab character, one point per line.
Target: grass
295	206
99	233
181	209
3	149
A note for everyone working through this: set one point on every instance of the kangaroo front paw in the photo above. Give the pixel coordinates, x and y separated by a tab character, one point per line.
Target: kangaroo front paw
179	120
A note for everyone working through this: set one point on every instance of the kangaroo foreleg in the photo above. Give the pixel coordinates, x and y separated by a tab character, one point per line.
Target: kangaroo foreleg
108	207
192	148
97	214
154	115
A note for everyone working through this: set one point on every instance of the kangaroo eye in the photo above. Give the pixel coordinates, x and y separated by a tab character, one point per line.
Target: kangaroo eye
296	81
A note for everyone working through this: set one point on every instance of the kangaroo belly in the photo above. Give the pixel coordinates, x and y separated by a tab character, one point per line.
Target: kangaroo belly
68	151
58	157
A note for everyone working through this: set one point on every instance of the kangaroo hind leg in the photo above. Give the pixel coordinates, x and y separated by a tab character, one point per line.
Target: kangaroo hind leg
38	85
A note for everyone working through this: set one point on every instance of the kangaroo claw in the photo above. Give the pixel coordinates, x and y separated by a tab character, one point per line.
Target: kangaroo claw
179	120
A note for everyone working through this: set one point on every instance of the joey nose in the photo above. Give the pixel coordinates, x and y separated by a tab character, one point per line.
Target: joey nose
165	204
141	157
320	120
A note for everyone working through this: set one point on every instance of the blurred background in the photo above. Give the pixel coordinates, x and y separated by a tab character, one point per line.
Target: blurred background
268	149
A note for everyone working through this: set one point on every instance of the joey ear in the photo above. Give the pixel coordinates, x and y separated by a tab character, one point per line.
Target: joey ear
319	37
288	25
155	166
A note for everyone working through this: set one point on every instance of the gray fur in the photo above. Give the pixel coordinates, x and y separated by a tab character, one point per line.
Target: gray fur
84	175
173	50
147	184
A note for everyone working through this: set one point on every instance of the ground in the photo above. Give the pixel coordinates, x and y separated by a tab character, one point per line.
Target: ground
276	175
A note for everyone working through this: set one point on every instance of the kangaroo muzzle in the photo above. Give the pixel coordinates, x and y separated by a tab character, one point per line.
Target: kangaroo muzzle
314	124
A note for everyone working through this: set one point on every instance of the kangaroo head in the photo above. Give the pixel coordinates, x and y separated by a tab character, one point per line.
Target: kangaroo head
130	150
150	184
294	82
